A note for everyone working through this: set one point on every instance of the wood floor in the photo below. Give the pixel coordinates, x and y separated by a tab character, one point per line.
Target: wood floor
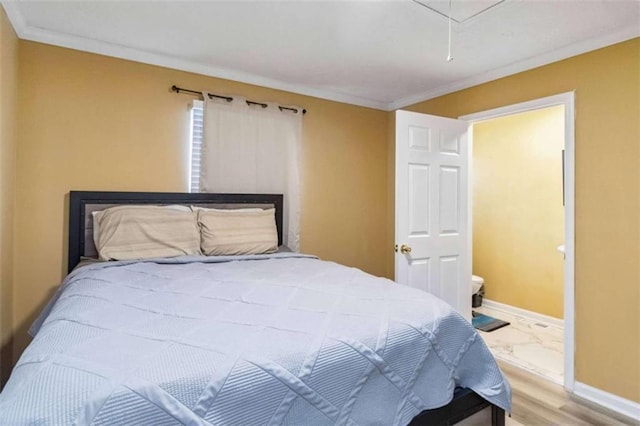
537	401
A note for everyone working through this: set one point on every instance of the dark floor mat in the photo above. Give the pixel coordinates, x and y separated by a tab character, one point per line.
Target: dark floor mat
486	323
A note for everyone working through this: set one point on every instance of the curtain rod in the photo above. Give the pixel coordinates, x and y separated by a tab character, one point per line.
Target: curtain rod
229	99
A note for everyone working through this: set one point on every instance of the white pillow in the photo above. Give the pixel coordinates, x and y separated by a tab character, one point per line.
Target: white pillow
96	223
142	232
248	209
235	232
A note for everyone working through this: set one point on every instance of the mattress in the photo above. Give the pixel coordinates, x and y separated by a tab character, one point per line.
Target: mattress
251	340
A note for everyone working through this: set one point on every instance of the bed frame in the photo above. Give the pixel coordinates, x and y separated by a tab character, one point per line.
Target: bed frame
465	403
81	203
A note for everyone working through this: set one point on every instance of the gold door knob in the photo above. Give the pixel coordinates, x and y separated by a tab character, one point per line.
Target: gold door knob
404	249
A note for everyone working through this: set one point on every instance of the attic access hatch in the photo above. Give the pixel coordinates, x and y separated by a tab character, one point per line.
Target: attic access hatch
461	11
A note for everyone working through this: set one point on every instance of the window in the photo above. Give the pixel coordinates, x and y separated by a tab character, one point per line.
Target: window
196	146
244	147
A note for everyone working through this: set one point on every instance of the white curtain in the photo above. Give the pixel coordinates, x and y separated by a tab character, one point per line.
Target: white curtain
251	149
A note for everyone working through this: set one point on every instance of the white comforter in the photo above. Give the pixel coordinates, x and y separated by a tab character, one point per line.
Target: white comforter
257	340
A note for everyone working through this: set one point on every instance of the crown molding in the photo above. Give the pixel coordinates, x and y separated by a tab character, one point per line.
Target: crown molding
27	32
520	66
15	16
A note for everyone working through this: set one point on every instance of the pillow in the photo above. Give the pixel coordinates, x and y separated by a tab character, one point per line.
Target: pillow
142	232
233	232
248	209
97	214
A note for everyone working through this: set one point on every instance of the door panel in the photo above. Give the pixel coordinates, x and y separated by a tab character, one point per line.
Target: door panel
431	207
449	277
419	274
449	200
418	200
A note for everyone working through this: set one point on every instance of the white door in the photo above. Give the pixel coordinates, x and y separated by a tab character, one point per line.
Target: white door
432	220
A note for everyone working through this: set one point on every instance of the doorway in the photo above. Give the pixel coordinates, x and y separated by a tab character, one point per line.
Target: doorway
565	100
518	228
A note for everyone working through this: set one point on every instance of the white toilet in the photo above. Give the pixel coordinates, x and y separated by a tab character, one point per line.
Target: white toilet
477	290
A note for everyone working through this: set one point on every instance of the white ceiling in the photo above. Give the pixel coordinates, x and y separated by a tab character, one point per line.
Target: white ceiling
380	54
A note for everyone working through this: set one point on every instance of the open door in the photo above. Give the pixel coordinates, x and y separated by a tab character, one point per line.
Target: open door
432	217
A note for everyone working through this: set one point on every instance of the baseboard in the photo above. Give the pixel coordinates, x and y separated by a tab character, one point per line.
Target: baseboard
530	315
608	400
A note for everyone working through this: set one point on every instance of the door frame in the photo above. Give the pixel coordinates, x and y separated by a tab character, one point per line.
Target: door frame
568	100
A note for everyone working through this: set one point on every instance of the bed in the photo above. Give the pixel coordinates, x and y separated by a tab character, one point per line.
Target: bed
280	338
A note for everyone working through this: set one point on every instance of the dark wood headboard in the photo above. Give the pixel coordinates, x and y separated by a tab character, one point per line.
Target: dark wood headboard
82	203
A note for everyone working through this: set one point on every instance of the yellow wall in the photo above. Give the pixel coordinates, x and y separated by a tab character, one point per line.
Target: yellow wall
518	217
607	224
90	122
96	123
8	141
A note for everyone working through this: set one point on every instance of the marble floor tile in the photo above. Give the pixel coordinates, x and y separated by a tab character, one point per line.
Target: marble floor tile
531	345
